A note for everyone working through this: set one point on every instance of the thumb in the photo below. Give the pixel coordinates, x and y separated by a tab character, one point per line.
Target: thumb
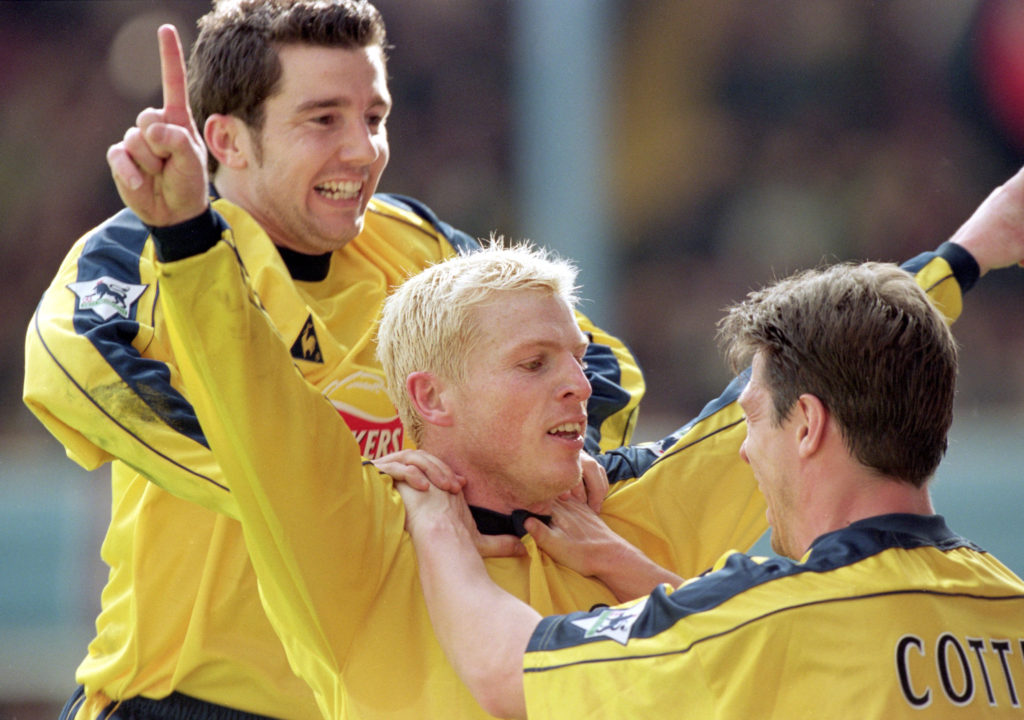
539	531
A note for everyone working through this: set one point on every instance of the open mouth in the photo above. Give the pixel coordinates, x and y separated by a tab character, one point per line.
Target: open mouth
340	190
568	431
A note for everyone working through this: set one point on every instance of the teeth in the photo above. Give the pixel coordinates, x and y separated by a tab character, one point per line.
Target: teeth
338	190
567	428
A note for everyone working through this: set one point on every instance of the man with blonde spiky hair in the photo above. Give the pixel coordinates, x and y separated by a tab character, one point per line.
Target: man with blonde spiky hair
428	324
489	356
474	351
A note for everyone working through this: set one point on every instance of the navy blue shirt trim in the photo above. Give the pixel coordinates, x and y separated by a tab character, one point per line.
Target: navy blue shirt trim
740	573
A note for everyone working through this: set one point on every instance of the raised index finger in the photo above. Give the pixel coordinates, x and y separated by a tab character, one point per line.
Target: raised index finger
172	76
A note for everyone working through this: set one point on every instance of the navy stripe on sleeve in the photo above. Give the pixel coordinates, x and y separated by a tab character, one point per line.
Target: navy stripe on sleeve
114	252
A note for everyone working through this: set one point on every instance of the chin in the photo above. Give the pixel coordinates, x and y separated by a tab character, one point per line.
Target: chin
546	489
571	481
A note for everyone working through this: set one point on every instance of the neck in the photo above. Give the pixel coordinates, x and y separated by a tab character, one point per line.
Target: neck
229	185
484	494
484	489
882	496
491	522
868	496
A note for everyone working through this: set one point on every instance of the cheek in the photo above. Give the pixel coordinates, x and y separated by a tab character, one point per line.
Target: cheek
383	154
489	407
749	448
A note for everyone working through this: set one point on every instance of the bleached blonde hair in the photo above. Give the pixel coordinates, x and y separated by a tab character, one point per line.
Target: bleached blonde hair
428	323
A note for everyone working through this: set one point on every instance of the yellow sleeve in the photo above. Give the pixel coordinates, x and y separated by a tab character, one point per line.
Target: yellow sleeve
937	279
617	386
99	374
689	498
317	523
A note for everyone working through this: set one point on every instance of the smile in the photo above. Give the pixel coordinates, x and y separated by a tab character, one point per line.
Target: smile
572	429
339	190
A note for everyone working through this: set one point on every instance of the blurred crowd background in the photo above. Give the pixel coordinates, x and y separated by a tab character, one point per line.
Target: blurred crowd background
738	140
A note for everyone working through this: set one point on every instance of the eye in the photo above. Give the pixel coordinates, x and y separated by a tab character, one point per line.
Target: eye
535	364
324	120
377	115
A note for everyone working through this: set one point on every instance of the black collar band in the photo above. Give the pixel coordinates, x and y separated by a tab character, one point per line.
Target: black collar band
491	522
310	268
302	267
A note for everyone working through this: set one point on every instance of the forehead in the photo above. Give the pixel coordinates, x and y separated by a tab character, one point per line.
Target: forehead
517	318
332	73
755	388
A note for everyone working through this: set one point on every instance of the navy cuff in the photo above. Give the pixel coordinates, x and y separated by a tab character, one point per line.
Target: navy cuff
192	237
965	268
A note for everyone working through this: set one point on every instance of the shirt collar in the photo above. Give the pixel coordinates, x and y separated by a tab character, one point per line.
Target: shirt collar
302	267
491	522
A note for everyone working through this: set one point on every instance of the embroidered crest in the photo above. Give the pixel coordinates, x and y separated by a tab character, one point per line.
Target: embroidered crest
614	623
106	296
306	346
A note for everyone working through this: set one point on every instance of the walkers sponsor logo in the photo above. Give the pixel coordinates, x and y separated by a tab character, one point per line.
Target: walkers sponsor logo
362	402
106	296
375	439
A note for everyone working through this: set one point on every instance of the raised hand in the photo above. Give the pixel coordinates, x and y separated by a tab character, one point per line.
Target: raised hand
994	234
159	167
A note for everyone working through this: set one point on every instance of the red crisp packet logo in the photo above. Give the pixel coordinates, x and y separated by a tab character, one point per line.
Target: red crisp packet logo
376	438
363	403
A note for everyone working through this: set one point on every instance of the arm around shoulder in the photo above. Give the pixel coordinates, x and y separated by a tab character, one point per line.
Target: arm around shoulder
465	605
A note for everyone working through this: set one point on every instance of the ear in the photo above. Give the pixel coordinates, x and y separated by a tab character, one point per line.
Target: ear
427	392
228	140
811	418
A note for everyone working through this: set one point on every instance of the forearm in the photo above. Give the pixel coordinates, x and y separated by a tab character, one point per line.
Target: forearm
579	539
631	574
994	234
466	606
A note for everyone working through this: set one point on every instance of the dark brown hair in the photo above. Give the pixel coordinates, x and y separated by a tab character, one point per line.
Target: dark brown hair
866	341
234	66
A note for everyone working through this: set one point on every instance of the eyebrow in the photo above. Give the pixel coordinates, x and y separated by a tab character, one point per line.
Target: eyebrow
545	343
320	104
336	102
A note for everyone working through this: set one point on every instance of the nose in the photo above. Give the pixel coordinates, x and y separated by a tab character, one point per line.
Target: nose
743	452
576	382
359	143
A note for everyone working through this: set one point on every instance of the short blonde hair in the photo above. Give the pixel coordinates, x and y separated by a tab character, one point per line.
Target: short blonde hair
427	323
